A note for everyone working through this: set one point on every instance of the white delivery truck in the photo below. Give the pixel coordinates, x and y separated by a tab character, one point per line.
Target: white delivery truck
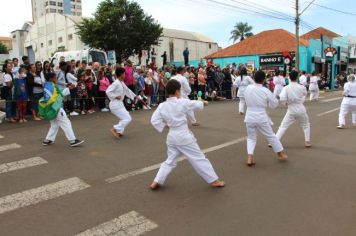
90	55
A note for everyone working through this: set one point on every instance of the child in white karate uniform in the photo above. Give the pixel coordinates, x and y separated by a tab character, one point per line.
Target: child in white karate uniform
258	98
185	92
180	140
51	108
314	87
279	82
241	83
294	95
349	102
116	93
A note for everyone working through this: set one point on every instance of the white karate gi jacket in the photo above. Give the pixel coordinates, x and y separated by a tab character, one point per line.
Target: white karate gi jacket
314	87
294	94
185	89
349	90
258	98
173	113
303	80
117	89
279	82
242	84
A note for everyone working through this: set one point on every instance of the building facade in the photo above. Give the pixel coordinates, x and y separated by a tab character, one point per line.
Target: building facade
67	7
18	38
174	42
52	33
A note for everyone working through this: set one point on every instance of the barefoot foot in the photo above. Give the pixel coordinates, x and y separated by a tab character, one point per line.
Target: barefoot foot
218	184
154	185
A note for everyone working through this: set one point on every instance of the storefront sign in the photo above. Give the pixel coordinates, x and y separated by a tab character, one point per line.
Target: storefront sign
330	52
271	60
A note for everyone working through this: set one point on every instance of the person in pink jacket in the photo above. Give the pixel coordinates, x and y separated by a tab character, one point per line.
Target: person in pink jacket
104	83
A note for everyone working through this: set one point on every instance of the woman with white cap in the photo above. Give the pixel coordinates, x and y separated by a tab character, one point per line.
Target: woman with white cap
349	102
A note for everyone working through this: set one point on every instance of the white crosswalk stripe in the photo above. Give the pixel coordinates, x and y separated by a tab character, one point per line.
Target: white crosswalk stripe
331	100
22	164
1	136
9	147
130	224
40	194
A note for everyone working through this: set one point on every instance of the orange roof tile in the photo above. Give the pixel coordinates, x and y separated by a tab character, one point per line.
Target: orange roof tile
316	34
266	42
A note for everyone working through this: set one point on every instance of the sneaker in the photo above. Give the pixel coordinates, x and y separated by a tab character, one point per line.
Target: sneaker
105	110
83	113
91	111
76	142
74	113
47	142
145	107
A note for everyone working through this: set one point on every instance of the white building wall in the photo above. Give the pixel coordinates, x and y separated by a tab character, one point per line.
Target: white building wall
52	32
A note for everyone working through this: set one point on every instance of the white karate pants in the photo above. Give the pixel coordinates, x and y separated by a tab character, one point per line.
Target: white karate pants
265	129
195	157
64	123
242	104
277	90
314	95
289	119
124	117
344	110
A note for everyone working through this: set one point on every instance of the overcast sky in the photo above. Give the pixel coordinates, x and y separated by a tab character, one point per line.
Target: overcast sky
210	19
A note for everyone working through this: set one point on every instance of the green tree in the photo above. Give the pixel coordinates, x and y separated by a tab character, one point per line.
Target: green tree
241	31
3	49
120	25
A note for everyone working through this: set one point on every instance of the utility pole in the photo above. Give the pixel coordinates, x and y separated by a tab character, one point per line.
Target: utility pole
297	20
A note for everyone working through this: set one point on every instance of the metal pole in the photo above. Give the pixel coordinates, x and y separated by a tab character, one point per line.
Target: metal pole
297	35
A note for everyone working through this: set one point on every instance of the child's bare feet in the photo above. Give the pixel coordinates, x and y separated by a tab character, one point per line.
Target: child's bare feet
241	113
114	133
250	161
308	144
218	184
154	185
282	156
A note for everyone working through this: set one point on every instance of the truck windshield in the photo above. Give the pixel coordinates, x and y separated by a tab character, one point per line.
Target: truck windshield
95	56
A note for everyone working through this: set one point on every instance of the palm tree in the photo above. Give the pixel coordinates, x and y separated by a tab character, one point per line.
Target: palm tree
241	31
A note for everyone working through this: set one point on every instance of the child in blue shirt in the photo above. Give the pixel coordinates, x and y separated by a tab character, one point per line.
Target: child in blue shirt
21	94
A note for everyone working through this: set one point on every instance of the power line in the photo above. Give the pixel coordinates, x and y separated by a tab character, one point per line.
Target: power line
335	10
250	11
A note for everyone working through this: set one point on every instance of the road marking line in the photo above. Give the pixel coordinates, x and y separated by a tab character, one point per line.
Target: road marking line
129	224
22	164
331	100
9	147
40	194
180	159
328	112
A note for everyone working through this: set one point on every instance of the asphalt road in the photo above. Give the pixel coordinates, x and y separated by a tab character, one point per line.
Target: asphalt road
66	191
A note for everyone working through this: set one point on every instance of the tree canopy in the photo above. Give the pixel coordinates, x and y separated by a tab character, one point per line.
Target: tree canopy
241	31
122	26
3	49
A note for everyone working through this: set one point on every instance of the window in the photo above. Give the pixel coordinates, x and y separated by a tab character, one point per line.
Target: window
60	4
79	0
50	42
52	3
53	10
60	11
60	40
41	45
73	6
79	14
70	36
46	4
209	45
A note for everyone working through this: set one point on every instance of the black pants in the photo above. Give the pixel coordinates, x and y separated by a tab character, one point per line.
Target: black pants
90	102
101	99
